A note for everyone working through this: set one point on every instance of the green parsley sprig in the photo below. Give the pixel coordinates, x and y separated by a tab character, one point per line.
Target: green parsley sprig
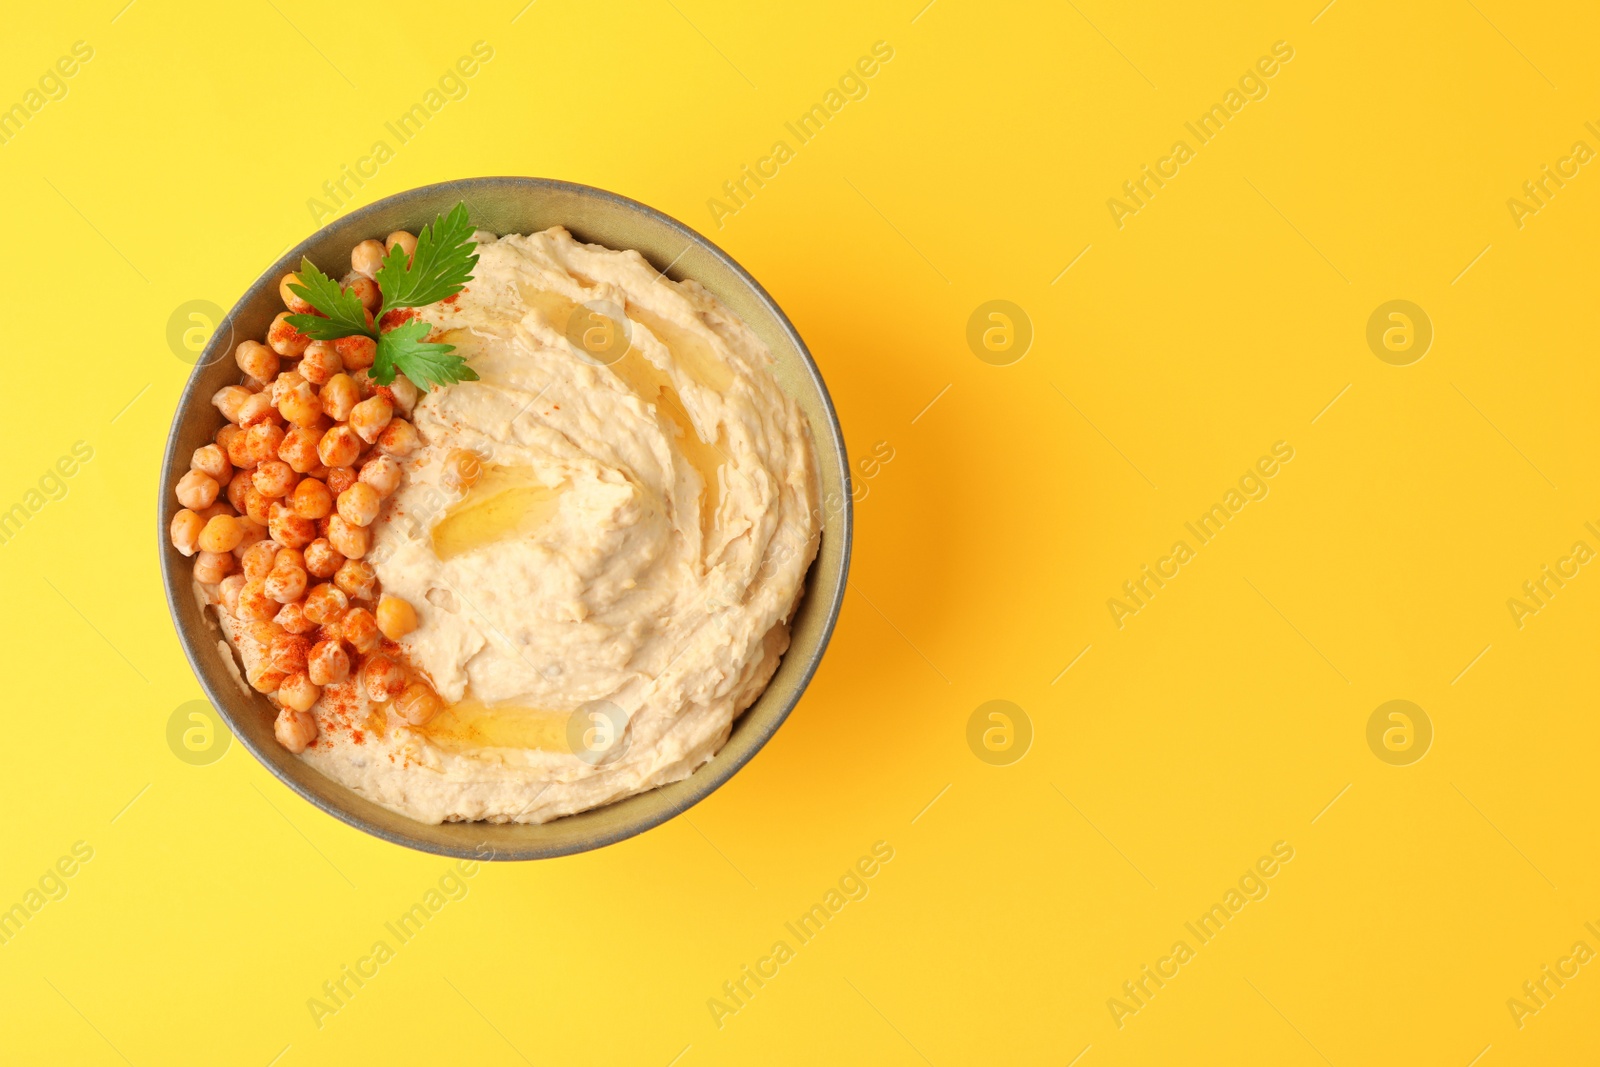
441	267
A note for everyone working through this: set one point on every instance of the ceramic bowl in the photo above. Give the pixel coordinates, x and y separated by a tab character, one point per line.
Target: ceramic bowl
517	205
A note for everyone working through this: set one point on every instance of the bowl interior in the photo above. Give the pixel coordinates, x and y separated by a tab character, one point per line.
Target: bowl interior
517	205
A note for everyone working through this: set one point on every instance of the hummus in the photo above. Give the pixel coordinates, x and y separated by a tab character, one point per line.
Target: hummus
612	586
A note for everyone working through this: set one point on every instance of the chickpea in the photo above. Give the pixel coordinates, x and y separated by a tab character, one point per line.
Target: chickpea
229	399
369	417
360	629
405	240
366	291
382	473
219	508
322	559
285	583
354	541
261	443
292	617
339	396
367	257
225	433
185	531
339	447
311	499
295	730
356	352
405	394
396	617
328	663
258	507
264	679
462	469
211	567
300	404
274	478
260	634
297	693
229	592
256	360
257	635
358	578
320	362
285	339
289	557
258	409
254	603
418	704
291	300
209	459
258	560
197	490
283	384
382	678
325	603
287	653
338	480
239	454
299	449
399	438
359	504
221	534
289	529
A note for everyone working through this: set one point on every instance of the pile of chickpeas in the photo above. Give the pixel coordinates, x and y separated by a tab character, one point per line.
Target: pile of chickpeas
278	511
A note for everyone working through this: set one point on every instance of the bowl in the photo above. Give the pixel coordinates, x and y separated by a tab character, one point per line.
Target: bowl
518	205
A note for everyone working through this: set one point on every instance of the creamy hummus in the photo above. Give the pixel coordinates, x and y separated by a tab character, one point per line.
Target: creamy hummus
615	587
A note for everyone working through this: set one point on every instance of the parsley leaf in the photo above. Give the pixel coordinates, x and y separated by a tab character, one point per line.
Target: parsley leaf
426	363
342	313
440	267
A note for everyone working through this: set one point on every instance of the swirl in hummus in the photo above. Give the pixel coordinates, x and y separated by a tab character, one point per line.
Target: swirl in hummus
611	583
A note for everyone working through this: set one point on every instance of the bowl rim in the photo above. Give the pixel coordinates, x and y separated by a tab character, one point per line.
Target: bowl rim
704	780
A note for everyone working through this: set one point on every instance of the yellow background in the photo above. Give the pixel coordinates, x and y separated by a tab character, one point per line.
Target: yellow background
1223	717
